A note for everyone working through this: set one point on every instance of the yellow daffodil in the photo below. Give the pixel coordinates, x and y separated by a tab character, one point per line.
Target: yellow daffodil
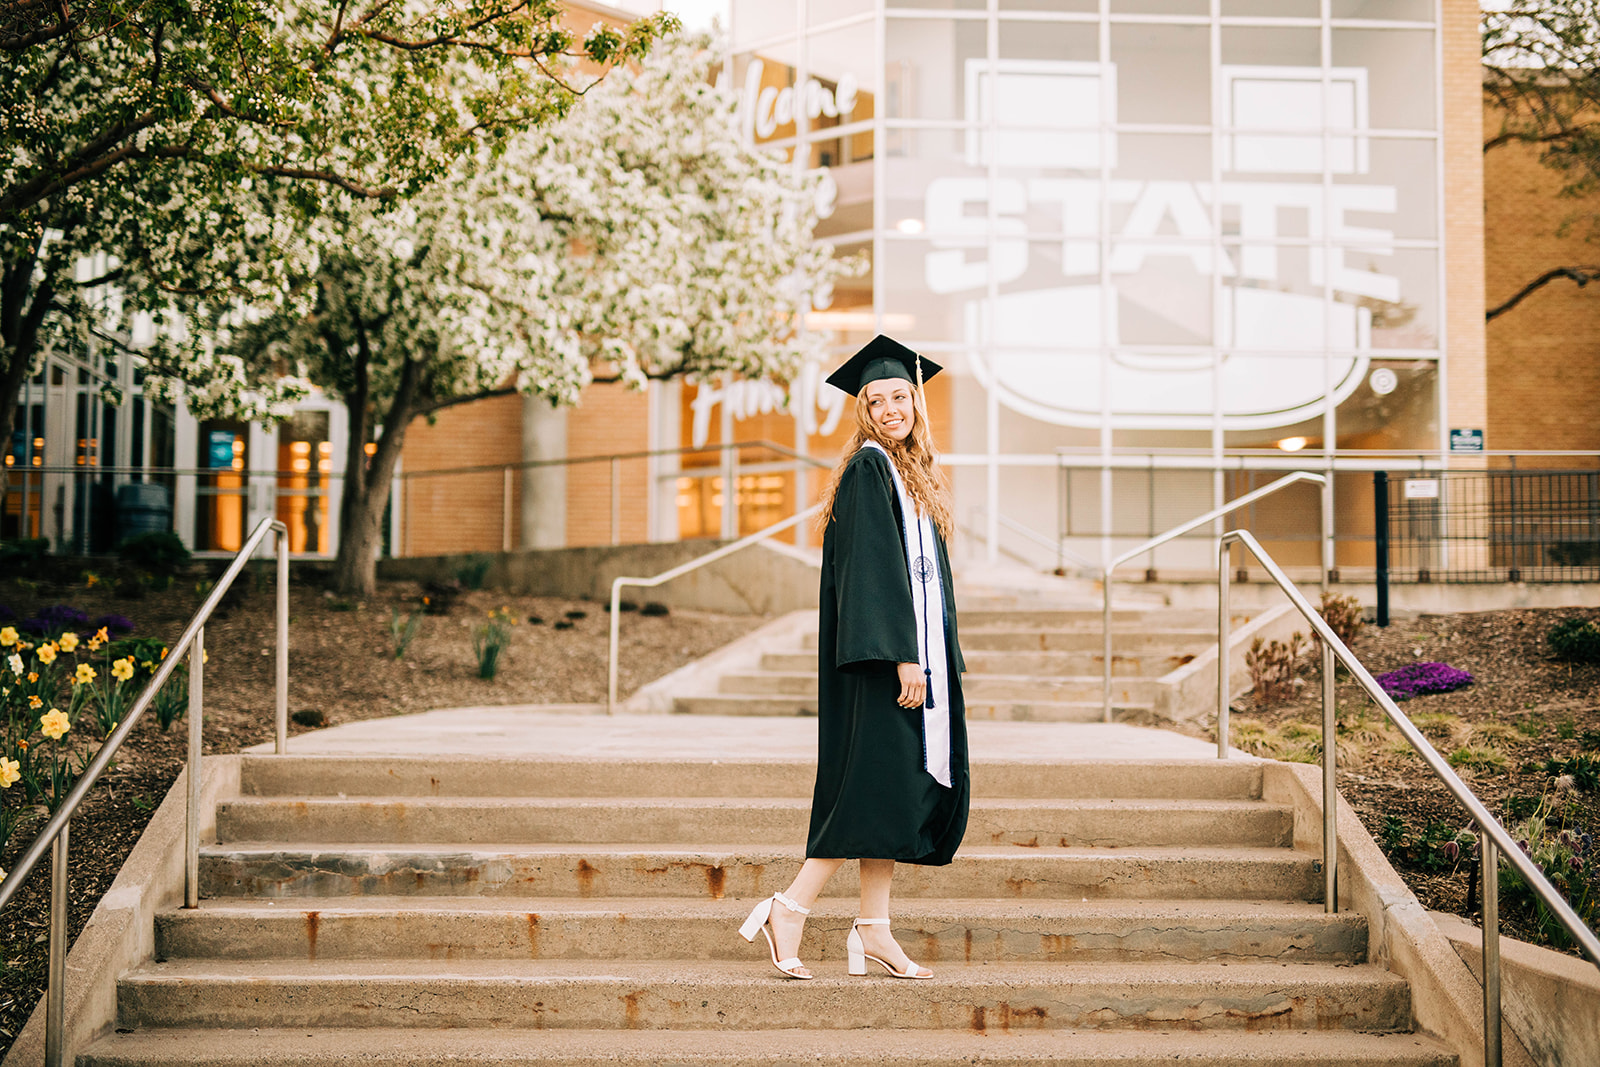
69	642
33	676
94	644
53	724
122	669
147	665
86	674
101	635
163	651
205	657
10	771
8	636
34	703
47	654
90	580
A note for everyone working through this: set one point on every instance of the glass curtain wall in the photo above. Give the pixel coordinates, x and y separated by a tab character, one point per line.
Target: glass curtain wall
1127	226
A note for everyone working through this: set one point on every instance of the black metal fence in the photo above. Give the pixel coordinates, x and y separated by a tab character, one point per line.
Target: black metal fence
1488	526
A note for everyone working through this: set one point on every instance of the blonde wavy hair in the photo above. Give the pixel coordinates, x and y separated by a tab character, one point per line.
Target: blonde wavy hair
916	458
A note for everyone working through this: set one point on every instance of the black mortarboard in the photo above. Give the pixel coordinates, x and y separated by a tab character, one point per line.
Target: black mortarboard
882	357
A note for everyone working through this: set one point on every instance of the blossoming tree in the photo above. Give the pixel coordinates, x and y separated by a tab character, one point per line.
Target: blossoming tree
127	126
639	237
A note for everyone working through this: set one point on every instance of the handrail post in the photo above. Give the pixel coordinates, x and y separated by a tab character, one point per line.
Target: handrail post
281	695
1491	950
1106	651
55	995
616	633
616	501
1330	787
1330	725
1224	620
191	867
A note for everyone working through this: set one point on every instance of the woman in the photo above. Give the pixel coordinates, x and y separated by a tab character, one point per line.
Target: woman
892	747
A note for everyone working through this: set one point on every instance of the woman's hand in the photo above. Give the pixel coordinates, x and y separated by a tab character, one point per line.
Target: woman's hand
913	685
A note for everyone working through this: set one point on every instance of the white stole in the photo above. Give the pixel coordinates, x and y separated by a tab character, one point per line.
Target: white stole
927	597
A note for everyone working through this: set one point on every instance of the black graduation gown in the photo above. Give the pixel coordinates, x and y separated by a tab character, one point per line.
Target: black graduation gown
873	797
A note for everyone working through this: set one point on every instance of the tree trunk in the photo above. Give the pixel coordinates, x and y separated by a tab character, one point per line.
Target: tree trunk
367	481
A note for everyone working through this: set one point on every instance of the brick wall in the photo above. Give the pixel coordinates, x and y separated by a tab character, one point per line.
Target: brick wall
610	418
1543	355
460	512
1466	373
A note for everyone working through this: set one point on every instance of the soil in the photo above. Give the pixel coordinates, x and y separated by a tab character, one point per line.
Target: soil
1528	705
1524	709
343	668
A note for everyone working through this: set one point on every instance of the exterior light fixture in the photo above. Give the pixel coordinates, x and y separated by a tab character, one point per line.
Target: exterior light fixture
909	226
1292	444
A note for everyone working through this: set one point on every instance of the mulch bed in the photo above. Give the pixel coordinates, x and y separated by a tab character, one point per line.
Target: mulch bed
1524	709
343	668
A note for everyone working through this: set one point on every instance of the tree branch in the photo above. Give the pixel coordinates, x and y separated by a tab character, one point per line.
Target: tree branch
450	402
1540	138
385	192
1582	275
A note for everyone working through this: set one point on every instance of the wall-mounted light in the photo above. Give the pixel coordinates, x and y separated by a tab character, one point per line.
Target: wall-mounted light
909	226
1292	444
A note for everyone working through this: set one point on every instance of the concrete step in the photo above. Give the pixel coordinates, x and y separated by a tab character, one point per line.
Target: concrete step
1125	640
1152	664
504	820
999	1041
277	871
1139	640
996	710
976	688
714	995
935	931
425	776
1093	618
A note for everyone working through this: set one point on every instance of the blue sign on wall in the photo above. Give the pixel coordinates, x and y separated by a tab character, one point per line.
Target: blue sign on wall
219	449
1466	440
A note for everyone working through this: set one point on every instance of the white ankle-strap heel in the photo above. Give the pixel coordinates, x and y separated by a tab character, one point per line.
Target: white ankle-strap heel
759	921
859	955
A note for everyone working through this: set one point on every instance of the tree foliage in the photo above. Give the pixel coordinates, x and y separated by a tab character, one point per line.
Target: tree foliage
119	118
638	237
1542	78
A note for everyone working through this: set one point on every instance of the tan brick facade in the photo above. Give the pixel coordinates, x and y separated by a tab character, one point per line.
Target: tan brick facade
460	512
1465	373
1543	355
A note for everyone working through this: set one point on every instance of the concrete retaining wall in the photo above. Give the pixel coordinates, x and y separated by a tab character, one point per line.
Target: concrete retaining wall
1550	999
766	578
1402	936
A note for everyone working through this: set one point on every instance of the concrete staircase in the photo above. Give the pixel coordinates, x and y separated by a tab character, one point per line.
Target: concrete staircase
543	911
1023	665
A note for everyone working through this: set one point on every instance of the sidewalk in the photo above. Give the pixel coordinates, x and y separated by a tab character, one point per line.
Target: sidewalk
575	730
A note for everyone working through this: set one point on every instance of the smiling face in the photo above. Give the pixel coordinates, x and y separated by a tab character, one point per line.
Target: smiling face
889	407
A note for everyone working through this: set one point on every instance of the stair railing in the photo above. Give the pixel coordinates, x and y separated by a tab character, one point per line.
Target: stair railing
1492	837
55	833
1194	524
676	572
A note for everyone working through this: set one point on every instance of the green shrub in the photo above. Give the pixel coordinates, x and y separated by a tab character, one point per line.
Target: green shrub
1577	640
24	552
159	552
473	570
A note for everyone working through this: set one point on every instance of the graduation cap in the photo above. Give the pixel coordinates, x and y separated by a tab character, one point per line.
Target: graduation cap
882	357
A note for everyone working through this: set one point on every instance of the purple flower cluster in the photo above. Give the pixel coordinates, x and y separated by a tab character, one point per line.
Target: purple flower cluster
60	618
1420	678
57	619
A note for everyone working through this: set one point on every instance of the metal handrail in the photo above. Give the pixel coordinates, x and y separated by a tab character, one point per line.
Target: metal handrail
1493	839
55	832
1194	523
675	572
